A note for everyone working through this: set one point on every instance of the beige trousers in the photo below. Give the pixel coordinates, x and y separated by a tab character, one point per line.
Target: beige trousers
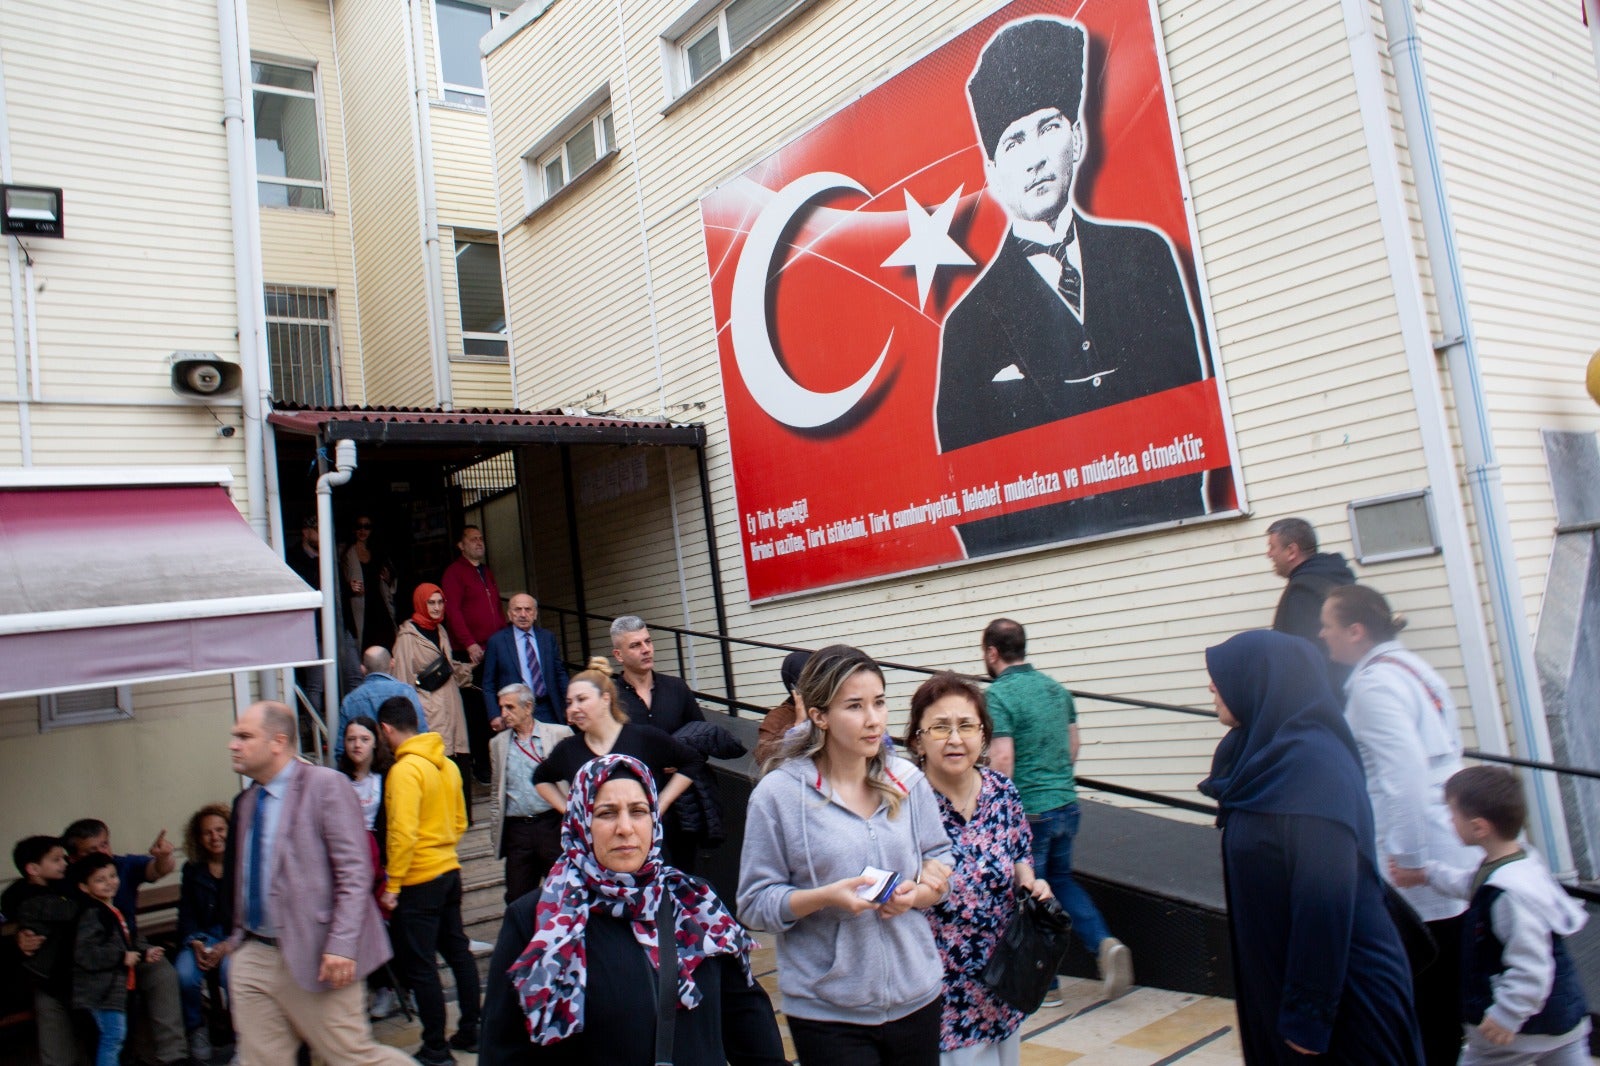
272	1015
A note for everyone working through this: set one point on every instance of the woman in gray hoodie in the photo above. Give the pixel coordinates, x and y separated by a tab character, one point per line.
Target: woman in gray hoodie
834	817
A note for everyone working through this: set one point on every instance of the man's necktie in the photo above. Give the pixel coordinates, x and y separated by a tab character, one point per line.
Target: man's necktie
535	675
255	910
1070	283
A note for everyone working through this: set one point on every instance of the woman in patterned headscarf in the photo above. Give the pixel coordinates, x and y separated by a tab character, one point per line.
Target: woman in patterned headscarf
574	974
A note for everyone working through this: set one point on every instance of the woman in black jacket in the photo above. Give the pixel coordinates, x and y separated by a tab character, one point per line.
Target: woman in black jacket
574	977
200	923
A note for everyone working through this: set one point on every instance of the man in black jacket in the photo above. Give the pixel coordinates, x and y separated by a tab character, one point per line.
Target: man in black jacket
1292	548
1073	313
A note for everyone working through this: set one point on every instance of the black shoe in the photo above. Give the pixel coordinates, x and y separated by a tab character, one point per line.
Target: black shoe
466	1039
434	1056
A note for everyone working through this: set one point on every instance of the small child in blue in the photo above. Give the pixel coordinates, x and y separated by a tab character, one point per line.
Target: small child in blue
105	955
1520	990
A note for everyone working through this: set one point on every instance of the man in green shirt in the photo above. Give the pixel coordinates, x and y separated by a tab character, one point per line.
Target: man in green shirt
1035	744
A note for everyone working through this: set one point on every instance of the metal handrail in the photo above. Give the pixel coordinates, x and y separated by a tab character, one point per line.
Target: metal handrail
320	732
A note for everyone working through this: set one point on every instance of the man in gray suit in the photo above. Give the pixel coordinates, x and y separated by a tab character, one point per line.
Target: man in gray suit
305	927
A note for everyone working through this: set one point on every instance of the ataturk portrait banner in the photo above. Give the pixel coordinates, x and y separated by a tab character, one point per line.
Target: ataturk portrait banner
964	315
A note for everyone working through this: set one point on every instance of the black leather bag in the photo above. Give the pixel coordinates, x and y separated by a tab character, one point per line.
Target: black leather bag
1028	954
436	676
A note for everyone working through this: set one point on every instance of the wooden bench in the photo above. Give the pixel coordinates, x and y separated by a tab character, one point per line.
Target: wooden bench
158	913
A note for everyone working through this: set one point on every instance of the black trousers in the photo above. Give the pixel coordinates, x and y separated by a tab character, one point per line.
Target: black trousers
478	732
427	919
909	1041
464	764
1437	993
531	847
683	849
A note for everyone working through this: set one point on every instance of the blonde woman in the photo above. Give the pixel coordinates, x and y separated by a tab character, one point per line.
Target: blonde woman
835	814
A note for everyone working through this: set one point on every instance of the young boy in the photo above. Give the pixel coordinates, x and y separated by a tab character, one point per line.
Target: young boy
44	910
1520	988
105	955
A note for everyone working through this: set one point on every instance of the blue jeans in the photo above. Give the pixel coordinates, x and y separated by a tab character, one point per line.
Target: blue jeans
1052	860
113	1034
191	981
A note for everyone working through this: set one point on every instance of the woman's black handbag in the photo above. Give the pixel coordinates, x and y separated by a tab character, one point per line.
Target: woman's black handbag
436	676
1027	955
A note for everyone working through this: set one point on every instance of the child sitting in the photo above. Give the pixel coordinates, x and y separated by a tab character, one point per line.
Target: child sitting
1520	988
105	955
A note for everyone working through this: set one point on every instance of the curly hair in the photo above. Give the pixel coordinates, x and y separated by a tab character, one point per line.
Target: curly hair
193	849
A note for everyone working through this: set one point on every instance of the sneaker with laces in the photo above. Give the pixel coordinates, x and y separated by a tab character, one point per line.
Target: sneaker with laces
1116	968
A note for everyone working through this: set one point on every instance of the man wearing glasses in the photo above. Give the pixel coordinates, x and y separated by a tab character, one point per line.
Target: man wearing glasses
1035	744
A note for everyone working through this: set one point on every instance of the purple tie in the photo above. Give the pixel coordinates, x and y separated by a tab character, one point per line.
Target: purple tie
535	675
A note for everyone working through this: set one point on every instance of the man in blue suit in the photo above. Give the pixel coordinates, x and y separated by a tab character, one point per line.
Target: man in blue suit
524	654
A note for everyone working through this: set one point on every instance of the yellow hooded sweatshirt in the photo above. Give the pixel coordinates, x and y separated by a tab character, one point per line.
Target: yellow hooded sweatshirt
424	807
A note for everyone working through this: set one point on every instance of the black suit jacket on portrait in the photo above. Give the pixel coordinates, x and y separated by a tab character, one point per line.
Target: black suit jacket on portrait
1137	338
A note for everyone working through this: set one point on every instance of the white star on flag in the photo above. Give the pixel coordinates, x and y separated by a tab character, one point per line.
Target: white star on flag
930	245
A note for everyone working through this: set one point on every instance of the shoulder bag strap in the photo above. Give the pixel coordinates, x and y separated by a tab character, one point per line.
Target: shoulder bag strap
667	983
1416	675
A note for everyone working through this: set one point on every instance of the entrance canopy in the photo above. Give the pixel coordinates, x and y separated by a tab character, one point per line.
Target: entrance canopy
123	576
484	429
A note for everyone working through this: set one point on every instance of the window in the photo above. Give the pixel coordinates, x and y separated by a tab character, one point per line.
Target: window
576	152
731	27
301	349
289	171
461	26
483	305
85	707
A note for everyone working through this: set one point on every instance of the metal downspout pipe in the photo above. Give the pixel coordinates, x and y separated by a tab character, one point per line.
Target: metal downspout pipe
1459	346
344	468
19	316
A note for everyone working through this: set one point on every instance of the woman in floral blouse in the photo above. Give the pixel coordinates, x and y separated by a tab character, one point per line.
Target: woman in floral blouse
949	733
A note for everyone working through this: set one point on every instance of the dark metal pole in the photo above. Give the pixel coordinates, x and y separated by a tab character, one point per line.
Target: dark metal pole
577	555
716	577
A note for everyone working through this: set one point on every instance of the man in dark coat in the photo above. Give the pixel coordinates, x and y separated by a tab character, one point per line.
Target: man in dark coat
1312	574
1074	313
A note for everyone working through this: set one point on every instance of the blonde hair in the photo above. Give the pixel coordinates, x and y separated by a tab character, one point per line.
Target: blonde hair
824	675
598	674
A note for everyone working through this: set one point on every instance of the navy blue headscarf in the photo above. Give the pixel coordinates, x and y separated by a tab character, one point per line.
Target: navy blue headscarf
1292	752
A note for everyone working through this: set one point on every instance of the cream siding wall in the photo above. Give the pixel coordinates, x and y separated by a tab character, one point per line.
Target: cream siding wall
146	269
461	167
314	248
1300	294
374	56
1518	117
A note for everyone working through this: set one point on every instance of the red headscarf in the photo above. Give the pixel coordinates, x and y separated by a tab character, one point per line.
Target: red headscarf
419	606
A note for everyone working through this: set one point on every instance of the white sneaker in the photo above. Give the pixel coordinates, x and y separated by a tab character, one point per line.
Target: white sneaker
385	1004
1116	968
480	948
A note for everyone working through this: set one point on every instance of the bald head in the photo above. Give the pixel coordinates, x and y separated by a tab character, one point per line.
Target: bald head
522	611
262	741
376	660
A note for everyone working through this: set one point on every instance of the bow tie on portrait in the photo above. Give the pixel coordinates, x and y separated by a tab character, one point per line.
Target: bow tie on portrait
1070	282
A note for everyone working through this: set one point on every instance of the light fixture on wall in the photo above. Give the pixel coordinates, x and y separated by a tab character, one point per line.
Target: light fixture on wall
31	211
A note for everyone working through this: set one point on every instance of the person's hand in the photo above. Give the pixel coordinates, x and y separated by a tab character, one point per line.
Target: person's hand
388	901
206	958
936	875
336	971
899	900
357	588
497	724
1040	889
155	955
1297	1049
130	958
29	942
844	894
162	848
475	653
1406	877
1494	1032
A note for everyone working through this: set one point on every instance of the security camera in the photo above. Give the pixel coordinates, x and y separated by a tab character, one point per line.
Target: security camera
226	431
200	375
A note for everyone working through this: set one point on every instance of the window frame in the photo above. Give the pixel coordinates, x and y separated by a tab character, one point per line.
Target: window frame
593	112
463	237
690	26
331	323
53	717
442	88
315	96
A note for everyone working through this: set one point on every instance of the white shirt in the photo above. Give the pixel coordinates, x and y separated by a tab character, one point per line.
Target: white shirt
1409	734
1048	266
